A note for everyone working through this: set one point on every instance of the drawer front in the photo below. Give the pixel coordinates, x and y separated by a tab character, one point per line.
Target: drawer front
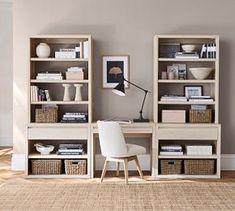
187	133
57	133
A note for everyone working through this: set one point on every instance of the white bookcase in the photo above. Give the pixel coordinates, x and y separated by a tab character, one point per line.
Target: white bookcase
186	133
56	133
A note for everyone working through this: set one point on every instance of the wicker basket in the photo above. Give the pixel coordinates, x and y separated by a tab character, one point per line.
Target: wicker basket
46	115
46	166
75	167
196	116
199	167
171	166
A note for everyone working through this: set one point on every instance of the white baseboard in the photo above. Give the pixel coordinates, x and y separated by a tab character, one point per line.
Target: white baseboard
227	162
18	162
143	159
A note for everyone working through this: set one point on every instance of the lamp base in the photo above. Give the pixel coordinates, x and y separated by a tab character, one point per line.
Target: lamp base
140	120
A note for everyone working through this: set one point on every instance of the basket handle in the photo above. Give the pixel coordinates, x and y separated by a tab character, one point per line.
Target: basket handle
171	162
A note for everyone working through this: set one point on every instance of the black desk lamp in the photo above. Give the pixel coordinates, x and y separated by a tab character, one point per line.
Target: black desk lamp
120	90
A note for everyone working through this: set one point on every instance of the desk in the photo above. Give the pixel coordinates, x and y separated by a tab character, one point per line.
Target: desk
145	130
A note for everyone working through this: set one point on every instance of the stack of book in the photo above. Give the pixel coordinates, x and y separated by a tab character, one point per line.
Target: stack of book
74	118
71	149
201	98
185	55
66	53
49	76
208	50
37	94
171	150
166	98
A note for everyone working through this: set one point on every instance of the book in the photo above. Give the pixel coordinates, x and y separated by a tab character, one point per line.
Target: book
181	55
48	97
86	49
166	147
65	146
171	153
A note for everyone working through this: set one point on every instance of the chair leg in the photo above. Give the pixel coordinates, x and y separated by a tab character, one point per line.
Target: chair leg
104	170
138	167
118	165
126	170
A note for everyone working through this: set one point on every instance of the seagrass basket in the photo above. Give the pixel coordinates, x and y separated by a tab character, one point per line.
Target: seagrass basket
46	115
199	167
46	166
75	167
197	116
171	166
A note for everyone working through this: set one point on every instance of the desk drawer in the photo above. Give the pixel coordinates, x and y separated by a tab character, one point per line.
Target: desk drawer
207	133
57	133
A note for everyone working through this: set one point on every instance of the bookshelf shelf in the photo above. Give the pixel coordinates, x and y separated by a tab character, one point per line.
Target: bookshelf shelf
57	60
186	81
60	81
185	103
60	102
185	60
55	156
188	156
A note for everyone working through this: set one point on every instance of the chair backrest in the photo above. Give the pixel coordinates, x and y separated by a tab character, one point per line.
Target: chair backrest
112	141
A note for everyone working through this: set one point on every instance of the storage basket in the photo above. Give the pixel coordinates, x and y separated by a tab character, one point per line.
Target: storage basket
46	166
199	167
171	166
197	116
75	167
46	115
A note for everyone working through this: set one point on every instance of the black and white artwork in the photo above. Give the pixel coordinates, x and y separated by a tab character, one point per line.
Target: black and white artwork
114	68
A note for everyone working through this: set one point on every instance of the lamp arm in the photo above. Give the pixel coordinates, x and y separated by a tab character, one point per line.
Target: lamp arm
135	85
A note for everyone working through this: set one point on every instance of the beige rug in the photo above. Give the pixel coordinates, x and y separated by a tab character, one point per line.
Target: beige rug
116	196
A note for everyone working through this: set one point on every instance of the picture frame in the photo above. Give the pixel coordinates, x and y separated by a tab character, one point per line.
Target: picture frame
193	90
114	68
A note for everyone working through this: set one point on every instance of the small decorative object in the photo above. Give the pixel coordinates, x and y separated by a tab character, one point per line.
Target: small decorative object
188	48
164	75
66	92
181	71
44	149
172	72
195	90
173	116
78	94
43	50
114	69
200	73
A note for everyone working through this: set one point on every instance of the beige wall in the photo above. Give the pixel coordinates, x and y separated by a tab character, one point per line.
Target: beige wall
124	27
6	73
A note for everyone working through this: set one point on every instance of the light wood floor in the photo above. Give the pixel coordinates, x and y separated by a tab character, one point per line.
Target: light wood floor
7	175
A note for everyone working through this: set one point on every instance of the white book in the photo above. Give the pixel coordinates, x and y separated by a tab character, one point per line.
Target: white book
171	153
201	100
48	97
175	147
86	49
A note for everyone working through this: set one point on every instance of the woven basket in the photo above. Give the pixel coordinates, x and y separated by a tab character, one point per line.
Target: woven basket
196	116
75	167
199	167
46	166
46	115
171	166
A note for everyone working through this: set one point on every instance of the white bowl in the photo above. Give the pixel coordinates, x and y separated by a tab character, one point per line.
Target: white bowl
45	150
188	48
200	73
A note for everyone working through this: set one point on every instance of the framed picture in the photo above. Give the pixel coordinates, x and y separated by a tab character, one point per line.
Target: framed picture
182	74
114	68
192	91
172	72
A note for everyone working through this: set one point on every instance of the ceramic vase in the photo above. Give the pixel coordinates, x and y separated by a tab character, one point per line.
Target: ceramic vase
43	50
78	94
66	92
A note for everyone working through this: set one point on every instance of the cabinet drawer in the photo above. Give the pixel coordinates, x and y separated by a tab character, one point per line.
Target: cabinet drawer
188	133
57	133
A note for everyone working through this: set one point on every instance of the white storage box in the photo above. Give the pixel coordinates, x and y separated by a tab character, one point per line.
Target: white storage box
76	75
65	55
198	150
173	116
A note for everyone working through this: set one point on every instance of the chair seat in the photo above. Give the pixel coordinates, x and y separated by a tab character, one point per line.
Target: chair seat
133	150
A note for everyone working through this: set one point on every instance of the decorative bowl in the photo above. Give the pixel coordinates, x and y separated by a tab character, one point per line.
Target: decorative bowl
188	48
44	149
200	73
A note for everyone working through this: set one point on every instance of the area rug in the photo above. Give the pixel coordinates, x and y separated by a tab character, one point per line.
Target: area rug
96	196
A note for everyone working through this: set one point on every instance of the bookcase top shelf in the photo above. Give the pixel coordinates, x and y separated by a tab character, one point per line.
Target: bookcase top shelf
58	60
60	81
60	102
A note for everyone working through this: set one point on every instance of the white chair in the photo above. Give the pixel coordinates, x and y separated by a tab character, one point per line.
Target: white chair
114	148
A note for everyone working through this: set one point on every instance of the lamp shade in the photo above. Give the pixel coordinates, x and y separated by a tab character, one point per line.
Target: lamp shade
119	89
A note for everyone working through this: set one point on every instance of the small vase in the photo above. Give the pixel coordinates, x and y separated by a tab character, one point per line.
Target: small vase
43	50
66	92
78	95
